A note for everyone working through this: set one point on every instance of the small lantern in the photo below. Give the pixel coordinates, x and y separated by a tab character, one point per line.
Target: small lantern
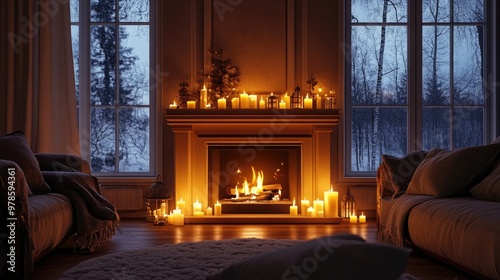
157	197
272	101
296	99
330	100
348	205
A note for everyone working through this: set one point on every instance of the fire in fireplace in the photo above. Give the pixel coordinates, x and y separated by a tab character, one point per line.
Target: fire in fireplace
256	179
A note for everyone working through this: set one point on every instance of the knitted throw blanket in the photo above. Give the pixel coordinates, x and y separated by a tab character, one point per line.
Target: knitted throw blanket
96	218
392	229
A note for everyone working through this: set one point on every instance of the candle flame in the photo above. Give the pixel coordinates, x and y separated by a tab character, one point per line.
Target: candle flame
294	201
217	201
331	188
204	87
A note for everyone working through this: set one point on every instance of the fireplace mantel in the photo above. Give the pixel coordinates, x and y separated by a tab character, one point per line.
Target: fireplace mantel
195	130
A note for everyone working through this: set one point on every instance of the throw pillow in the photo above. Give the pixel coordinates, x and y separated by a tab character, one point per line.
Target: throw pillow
451	173
330	257
14	147
489	187
401	170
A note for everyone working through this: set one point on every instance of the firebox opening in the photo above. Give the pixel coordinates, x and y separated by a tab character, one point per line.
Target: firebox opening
254	179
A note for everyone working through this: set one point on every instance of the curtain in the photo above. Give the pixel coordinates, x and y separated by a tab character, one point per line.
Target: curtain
37	85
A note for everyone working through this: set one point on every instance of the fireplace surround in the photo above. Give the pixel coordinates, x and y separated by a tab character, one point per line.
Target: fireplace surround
197	133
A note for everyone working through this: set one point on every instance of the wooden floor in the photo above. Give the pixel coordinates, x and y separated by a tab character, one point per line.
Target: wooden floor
137	234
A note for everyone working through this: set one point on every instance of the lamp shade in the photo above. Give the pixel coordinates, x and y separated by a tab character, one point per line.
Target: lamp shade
158	190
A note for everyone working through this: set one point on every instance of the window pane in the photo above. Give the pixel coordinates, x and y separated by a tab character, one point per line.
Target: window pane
436	65
468	66
368	143
103	10
372	11
75	44
436	128
134	10
74	7
103	65
103	146
468	10
134	65
436	11
134	140
468	127
366	70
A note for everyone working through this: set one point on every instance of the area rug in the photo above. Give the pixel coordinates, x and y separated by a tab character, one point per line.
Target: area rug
189	260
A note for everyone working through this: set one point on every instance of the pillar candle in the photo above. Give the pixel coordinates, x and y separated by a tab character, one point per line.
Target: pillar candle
331	203
262	103
287	101
191	104
181	206
362	218
170	218
244	101
178	220
197	206
235	103
310	212
353	219
221	103
282	105
318	206
209	211
217	209
304	204
293	209
253	101
308	103
203	98
199	213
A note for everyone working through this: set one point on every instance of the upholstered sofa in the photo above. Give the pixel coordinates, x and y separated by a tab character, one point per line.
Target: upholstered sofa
444	203
46	198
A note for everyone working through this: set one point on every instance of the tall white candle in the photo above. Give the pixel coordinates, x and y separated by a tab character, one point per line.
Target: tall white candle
253	101
308	103
331	203
287	101
221	103
196	206
293	209
318	206
304	204
203	98
244	101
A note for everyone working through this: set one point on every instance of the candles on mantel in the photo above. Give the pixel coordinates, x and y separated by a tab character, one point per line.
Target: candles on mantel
197	206
286	99
191	104
304	205
308	102
173	105
244	101
209	211
253	101
203	98
217	209
318	208
221	103
235	103
181	205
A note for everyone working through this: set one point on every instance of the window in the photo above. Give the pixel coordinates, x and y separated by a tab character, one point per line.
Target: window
415	78
113	50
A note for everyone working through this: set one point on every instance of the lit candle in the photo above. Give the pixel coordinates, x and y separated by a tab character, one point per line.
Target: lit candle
318	206
287	101
282	104
191	104
221	103
203	98
304	204
319	105
173	105
199	213
170	218
181	206
353	219
362	218
331	203
209	211
156	218
244	102
217	209
262	103
310	212
253	101
235	103
178	219
293	209
163	208
308	103
197	206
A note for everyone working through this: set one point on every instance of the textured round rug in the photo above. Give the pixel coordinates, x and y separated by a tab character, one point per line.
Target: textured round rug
189	260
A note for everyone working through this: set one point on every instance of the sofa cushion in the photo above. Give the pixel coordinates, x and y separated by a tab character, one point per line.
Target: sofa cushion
446	173
400	170
15	147
489	187
330	257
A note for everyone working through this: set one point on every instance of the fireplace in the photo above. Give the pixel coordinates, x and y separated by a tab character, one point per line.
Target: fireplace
215	150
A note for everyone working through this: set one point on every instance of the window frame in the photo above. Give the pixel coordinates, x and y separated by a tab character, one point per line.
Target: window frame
85	107
414	87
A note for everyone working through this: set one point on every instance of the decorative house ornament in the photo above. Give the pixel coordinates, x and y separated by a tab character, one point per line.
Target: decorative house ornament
272	101
157	197
348	205
296	99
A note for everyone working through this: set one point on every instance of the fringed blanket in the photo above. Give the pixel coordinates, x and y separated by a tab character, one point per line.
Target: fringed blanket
392	228
96	218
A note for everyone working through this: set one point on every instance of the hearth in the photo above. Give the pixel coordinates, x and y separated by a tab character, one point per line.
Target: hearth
210	146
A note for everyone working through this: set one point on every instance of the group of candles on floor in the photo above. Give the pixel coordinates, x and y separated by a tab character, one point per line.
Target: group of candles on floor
321	208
